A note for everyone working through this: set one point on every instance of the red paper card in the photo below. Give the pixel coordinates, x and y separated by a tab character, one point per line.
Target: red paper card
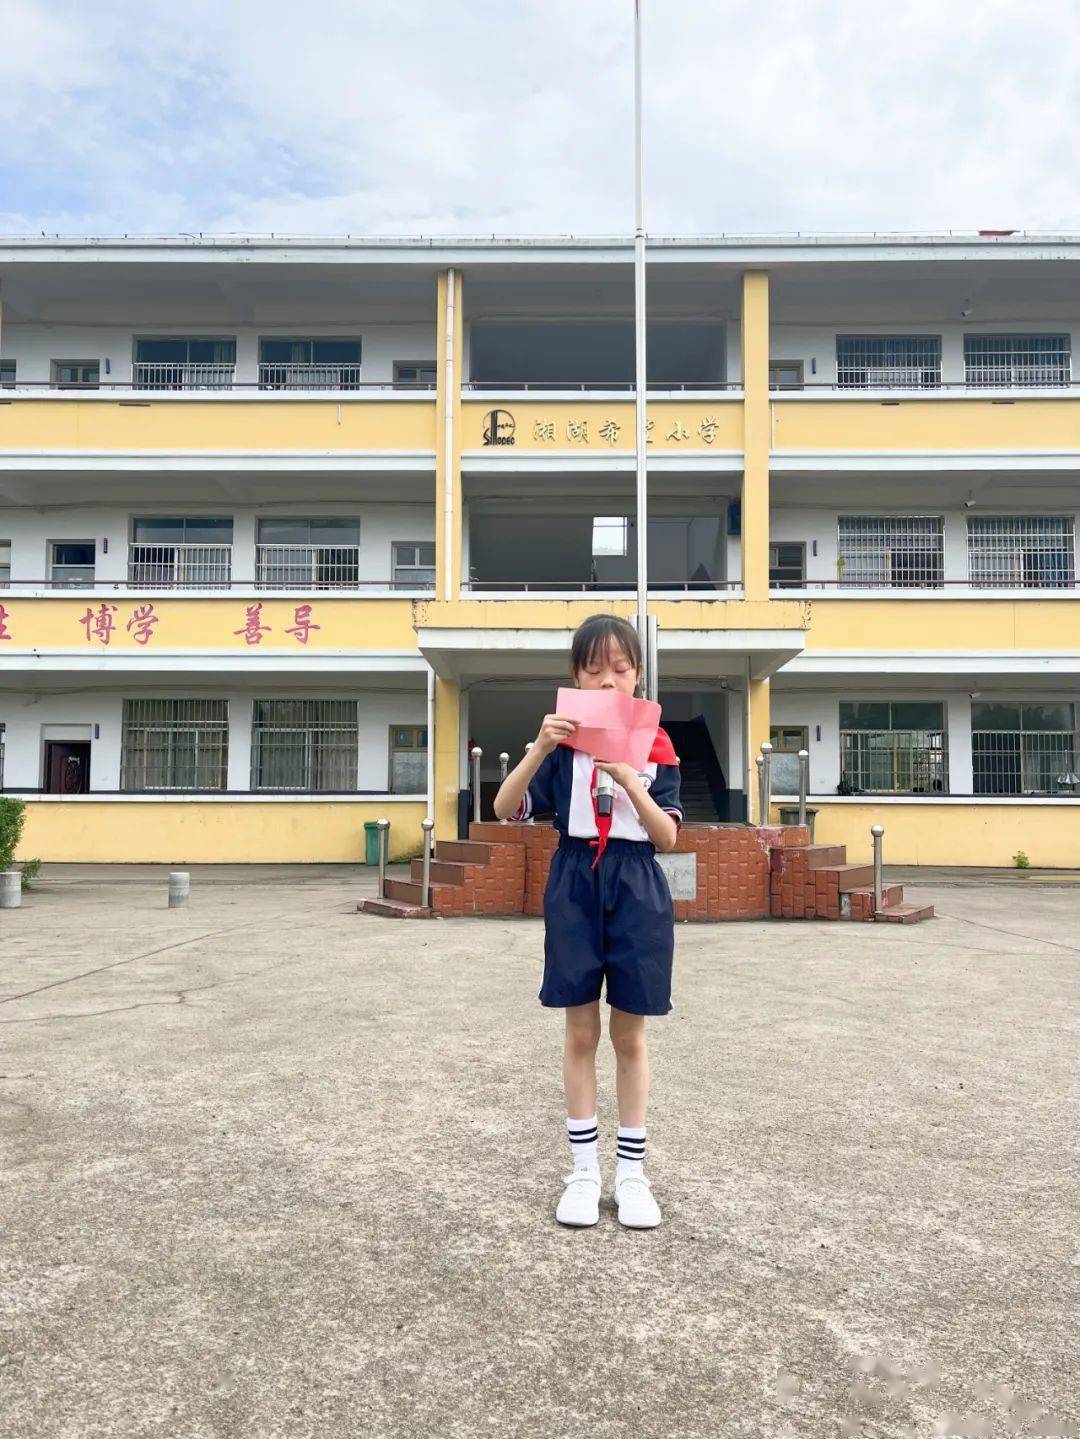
612	726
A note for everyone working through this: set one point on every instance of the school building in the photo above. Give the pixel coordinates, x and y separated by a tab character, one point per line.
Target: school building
287	525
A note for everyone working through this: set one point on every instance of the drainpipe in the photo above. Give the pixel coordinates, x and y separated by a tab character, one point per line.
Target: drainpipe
449	380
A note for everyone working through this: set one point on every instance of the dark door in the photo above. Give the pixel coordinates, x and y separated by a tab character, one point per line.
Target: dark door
67	766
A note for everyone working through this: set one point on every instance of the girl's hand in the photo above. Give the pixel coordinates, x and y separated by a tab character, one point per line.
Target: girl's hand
553	731
623	774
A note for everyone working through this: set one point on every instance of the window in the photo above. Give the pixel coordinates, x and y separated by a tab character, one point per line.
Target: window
184	362
892	747
1027	550
75	374
414	566
71	562
891	552
787	741
408	759
5	562
888	361
421	372
1025	748
306	745
302	553
174	744
787	565
1016	359
610	535
7	373
304	364
185	551
785	374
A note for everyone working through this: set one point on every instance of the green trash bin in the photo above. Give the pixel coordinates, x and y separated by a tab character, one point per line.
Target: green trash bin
371	842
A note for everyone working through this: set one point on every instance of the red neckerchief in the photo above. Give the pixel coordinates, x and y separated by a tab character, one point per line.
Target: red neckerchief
662	752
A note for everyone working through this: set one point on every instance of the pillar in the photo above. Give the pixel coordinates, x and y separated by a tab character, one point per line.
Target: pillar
448	509
757	730
447	742
757	435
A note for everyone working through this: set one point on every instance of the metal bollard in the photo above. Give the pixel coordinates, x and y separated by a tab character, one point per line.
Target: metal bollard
384	848
475	754
804	782
877	830
760	762
766	780
427	825
179	889
504	765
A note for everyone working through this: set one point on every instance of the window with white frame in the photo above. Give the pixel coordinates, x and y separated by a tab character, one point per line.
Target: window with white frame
785	374
1017	360
892	747
71	563
1020	748
192	551
891	551
610	536
421	373
408	759
1035	551
297	552
304	745
76	374
787	564
5	562
184	362
414	565
888	361
174	744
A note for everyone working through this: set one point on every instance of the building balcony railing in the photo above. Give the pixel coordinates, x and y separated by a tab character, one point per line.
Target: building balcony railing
839	587
179	566
606	386
699	588
309	377
422	388
1016	378
166	376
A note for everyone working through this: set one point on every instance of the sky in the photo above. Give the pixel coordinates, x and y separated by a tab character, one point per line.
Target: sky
504	117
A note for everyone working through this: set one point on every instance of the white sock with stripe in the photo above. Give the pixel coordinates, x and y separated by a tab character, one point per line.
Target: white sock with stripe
630	1150
583	1142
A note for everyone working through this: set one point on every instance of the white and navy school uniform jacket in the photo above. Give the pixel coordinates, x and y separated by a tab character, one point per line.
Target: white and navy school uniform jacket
563	784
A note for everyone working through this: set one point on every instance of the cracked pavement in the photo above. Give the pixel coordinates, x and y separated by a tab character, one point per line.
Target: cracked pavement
272	1168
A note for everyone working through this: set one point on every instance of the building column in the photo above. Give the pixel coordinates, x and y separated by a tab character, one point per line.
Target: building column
757	731
240	711
757	435
958	739
448	510
447	745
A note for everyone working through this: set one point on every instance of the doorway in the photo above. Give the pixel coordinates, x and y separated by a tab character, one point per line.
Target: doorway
67	766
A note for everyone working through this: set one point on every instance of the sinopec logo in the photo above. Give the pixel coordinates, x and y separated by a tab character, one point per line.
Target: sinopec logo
499	427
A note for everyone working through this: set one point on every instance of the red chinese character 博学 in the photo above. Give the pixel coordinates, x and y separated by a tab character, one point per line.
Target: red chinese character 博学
100	625
141	624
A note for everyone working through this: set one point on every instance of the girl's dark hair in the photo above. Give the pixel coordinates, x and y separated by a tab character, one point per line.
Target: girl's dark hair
594	637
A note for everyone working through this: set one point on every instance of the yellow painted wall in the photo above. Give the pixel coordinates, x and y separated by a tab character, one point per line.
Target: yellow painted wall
954	834
50	623
252	424
960	424
447	741
757	704
1025	624
596	426
214	832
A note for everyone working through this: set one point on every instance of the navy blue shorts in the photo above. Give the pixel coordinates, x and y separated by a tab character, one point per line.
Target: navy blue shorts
616	920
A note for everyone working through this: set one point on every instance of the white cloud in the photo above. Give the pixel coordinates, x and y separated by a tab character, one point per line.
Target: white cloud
485	117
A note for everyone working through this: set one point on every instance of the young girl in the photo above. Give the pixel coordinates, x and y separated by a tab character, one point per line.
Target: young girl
607	912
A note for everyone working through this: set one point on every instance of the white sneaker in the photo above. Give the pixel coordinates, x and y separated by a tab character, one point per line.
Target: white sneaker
580	1203
637	1207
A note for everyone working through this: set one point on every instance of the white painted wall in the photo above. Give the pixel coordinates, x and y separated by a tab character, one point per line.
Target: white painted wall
31	532
34	346
29	719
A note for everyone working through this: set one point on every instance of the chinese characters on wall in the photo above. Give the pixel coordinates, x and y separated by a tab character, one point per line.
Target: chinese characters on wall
101	622
500	428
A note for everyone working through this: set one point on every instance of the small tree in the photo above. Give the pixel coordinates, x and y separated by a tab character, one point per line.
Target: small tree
12	819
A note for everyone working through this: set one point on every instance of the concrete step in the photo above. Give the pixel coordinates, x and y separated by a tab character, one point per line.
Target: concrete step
442	871
820	855
890	893
906	913
393	909
852	876
404	890
463	851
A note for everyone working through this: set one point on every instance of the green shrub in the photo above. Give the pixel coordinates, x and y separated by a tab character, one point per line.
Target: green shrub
30	869
12	819
1021	860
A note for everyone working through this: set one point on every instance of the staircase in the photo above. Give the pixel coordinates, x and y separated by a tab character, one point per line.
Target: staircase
702	786
815	881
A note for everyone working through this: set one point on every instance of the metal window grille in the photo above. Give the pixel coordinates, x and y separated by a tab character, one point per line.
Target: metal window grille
894	761
318	567
181	375
289	376
1035	551
887	553
1017	360
414	566
304	744
174	744
888	361
1029	757
179	566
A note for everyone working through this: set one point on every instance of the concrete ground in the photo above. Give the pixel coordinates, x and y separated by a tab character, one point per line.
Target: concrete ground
271	1168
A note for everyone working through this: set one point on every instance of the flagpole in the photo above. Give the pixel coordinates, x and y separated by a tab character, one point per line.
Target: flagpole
649	680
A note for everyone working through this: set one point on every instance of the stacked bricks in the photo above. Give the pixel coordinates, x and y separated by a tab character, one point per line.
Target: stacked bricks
469	878
816	882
